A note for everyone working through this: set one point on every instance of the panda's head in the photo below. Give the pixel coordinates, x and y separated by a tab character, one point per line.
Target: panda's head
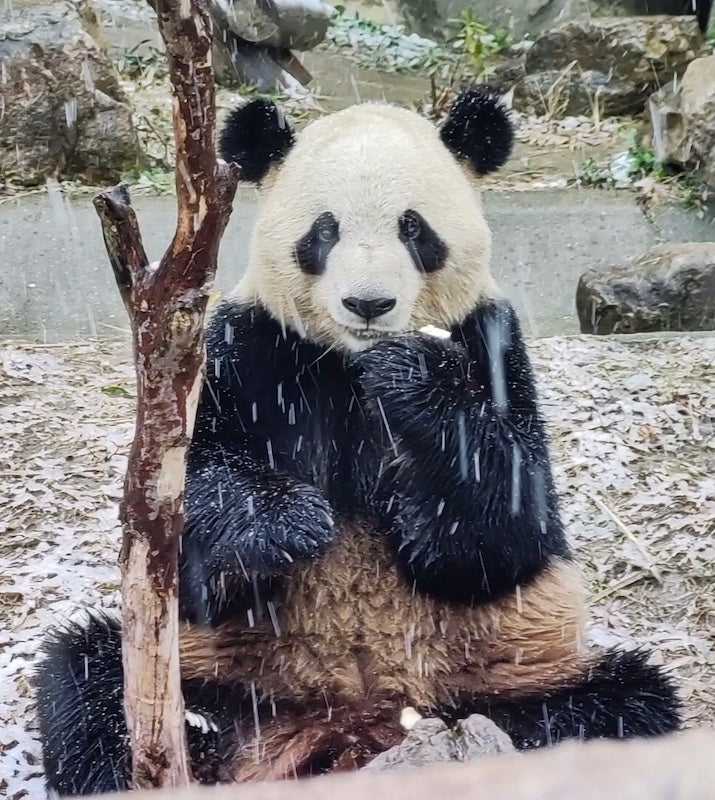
370	224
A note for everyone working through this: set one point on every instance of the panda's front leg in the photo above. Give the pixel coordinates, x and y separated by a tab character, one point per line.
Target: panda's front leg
246	525
469	499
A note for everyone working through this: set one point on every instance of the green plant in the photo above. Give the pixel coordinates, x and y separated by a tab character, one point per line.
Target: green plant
477	41
114	390
710	33
385	47
135	63
591	173
643	160
248	90
155	181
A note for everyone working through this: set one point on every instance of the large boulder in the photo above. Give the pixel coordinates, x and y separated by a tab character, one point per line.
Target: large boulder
617	61
701	8
290	24
533	17
254	40
64	112
670	287
682	116
519	17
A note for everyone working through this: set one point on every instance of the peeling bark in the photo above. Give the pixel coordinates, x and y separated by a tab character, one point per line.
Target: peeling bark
166	305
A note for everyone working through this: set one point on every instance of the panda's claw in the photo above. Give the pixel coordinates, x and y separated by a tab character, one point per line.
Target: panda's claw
200	721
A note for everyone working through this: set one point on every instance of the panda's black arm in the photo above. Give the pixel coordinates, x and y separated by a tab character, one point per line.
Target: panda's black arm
469	499
251	510
245	523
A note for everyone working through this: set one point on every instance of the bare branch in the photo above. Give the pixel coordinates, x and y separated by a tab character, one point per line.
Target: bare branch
122	238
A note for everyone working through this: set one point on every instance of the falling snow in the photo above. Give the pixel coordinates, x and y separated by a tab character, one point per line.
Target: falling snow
634	456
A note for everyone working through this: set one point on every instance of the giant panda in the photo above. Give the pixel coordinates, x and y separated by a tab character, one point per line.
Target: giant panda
371	522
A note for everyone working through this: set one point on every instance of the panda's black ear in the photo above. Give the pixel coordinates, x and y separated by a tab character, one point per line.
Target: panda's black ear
256	136
479	130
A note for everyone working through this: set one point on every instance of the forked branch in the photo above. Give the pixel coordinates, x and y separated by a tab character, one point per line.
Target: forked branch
166	307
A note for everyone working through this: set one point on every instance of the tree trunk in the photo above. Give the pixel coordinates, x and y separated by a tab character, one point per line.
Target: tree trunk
166	304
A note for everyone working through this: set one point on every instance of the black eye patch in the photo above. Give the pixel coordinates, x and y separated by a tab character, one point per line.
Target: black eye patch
311	250
428	251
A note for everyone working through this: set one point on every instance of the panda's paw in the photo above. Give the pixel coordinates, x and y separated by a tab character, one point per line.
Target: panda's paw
406	375
401	360
295	527
200	721
265	524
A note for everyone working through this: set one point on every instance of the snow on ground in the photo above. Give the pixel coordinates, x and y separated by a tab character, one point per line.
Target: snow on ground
633	436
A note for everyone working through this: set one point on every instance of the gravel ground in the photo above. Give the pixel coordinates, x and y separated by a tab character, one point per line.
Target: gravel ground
632	424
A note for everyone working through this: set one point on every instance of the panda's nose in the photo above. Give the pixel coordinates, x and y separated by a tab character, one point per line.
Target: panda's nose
369	309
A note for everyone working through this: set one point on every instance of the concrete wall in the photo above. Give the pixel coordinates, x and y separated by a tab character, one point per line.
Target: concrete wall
680	767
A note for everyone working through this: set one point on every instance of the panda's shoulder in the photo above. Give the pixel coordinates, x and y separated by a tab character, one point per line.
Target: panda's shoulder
234	325
244	341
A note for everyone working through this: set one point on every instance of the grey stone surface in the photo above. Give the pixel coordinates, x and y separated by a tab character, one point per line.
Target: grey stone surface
63	110
678	223
617	61
56	284
432	742
682	116
670	287
479	736
55	280
543	241
295	24
517	16
302	24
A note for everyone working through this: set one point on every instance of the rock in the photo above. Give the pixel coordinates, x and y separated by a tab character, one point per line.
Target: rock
701	8
281	24
478	736
254	40
430	741
573	91
519	17
64	112
618	60
533	17
670	287
678	767
302	24
682	116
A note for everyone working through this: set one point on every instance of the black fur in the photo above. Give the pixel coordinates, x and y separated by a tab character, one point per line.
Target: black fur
478	129
469	499
312	249
281	445
290	436
428	251
84	735
256	136
621	697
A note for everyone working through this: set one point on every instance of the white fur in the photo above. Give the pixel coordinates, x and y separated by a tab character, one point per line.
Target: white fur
367	165
409	718
200	721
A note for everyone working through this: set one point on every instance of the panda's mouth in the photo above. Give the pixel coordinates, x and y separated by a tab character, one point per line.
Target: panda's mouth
367	334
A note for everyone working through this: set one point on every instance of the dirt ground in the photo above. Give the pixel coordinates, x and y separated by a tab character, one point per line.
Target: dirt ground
633	437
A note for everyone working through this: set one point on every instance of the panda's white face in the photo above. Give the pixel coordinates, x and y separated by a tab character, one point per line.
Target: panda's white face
370	261
370	228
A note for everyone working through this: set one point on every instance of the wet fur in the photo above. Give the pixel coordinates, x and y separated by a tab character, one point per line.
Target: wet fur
307	666
349	624
368	526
